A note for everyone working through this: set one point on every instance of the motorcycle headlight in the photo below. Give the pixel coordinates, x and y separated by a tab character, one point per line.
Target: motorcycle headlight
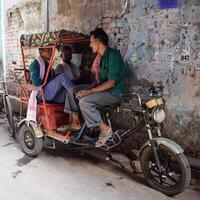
159	114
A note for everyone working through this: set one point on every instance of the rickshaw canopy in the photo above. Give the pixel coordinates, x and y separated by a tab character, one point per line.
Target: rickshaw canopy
78	41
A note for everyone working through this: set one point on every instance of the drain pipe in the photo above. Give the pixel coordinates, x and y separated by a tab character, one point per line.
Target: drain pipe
2	16
47	17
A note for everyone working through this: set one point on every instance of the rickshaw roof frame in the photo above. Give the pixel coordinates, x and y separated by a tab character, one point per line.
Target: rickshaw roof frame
51	39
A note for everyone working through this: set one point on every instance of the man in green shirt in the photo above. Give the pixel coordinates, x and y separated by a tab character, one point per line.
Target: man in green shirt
112	78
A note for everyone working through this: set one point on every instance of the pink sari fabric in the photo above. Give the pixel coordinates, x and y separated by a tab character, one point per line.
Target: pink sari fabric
32	103
96	67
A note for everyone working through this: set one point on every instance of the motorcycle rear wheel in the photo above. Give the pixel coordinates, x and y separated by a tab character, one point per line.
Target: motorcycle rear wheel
175	175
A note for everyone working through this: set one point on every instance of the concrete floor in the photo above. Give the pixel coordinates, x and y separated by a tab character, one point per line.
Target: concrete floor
61	174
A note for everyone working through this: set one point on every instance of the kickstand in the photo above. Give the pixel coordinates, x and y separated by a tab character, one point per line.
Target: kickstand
109	157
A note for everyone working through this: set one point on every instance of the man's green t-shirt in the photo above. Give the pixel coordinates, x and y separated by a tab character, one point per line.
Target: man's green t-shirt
112	68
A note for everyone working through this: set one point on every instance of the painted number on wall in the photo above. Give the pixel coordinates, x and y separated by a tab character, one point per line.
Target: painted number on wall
166	4
185	56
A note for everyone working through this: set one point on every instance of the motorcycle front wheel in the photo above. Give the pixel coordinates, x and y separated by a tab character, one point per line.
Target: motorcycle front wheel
175	172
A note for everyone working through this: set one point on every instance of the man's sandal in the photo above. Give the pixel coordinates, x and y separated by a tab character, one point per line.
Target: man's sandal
103	139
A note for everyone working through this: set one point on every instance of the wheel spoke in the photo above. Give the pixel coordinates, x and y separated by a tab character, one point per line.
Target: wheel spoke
162	180
171	178
153	168
158	177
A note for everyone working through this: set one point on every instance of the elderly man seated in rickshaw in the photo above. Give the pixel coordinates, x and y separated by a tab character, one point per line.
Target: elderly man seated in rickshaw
67	66
73	71
79	81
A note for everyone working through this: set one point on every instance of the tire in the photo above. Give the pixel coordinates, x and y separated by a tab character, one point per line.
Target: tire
179	161
10	116
30	144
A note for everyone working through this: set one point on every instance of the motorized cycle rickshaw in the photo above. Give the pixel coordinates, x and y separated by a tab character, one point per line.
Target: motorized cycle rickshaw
162	161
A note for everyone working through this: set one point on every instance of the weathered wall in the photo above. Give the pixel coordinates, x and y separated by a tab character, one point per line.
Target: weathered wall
159	42
25	17
1	56
156	45
80	17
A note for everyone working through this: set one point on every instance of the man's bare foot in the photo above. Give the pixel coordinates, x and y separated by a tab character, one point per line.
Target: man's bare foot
104	129
75	127
74	123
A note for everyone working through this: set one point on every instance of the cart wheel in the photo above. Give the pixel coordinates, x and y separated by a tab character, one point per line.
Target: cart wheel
30	144
9	115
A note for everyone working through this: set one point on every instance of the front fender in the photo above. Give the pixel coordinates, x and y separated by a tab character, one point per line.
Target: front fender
177	149
37	129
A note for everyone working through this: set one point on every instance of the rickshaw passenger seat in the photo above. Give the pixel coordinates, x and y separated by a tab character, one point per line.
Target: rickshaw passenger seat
52	113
